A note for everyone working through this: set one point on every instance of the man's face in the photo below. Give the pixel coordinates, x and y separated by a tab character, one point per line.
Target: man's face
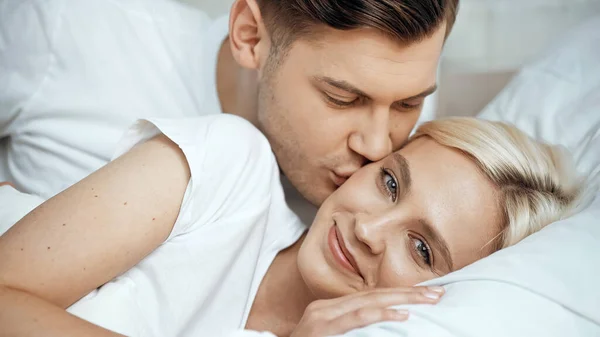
346	99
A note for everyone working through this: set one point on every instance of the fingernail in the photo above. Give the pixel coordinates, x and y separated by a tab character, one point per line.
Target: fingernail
402	314
432	295
440	290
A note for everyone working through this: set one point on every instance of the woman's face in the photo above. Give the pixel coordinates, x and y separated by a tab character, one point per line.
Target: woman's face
420	213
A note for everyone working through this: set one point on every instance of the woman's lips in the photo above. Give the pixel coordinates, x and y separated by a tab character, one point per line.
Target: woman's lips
335	246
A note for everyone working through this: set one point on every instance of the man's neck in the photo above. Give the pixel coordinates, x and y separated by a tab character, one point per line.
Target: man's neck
237	87
282	295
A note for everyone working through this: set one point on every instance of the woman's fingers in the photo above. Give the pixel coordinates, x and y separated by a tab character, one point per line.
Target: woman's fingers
337	316
375	299
314	326
423	290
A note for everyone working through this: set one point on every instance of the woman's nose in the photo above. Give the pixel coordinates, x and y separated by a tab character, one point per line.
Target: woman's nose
371	230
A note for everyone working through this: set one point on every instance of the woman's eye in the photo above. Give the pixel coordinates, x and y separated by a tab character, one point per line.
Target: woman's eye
390	184
423	250
340	103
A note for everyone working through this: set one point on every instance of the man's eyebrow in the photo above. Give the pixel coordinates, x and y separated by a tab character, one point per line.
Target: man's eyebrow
343	85
437	240
425	93
346	86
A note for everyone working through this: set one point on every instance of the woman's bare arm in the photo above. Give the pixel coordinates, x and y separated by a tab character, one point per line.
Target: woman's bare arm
86	236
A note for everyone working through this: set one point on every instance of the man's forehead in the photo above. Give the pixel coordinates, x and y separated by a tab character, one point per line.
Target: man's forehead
365	57
369	42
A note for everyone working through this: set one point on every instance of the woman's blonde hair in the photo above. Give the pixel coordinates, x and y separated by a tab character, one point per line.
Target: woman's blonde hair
536	182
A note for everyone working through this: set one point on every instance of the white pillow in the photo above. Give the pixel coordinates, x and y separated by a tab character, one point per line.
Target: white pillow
549	284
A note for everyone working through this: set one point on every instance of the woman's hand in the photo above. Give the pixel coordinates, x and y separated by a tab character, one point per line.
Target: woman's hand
339	315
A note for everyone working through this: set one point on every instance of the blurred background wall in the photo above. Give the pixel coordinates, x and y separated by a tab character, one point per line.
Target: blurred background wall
489	43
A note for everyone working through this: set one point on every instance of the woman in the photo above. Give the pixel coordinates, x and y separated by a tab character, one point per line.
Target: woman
188	233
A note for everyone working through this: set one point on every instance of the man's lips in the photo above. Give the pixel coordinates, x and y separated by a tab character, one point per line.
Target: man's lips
340	252
337	179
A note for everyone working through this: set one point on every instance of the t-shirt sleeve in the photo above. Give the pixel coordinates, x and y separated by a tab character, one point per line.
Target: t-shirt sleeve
231	165
27	28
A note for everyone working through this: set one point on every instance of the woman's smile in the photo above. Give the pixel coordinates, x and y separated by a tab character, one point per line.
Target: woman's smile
340	252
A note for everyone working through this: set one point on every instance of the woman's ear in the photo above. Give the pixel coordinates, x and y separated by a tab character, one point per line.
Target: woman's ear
248	38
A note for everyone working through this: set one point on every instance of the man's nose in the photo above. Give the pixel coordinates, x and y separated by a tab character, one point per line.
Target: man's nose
372	138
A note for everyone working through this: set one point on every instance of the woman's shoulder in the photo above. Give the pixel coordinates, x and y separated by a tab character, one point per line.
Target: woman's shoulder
236	135
213	138
229	130
232	168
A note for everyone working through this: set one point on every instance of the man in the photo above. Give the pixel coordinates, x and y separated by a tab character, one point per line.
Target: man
332	84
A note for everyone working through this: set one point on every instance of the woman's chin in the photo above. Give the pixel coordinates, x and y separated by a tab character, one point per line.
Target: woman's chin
320	278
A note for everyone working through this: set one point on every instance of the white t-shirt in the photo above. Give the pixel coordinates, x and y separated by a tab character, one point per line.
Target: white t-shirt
232	223
74	75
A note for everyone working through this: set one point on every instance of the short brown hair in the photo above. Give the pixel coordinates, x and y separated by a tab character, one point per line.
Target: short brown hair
407	21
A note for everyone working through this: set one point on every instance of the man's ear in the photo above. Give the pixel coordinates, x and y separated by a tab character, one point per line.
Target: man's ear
248	37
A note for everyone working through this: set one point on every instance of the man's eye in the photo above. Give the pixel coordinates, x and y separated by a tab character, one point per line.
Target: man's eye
390	184
340	103
404	106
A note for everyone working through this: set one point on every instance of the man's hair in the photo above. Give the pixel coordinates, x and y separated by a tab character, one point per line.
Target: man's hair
537	183
407	21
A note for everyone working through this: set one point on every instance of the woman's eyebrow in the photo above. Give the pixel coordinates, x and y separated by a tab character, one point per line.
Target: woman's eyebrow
404	169
437	240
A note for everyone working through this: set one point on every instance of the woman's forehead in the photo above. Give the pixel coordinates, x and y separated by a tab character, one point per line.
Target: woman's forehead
454	196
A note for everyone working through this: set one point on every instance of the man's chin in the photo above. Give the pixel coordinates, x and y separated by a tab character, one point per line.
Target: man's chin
316	193
313	194
313	189
316	196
